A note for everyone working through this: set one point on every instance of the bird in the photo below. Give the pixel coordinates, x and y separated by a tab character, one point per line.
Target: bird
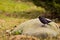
44	20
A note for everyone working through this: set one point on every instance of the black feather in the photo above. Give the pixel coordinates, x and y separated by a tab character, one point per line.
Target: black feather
44	20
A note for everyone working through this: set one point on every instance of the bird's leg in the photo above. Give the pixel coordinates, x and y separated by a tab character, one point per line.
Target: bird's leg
43	25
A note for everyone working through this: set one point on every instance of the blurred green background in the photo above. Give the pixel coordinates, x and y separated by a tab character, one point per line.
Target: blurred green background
30	8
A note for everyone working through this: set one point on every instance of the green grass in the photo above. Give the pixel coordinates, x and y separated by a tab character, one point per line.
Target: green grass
21	9
12	6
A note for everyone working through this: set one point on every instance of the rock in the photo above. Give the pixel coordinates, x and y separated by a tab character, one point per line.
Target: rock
34	27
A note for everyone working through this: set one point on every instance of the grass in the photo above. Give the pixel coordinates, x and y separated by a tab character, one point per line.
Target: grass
7	23
20	9
10	22
11	6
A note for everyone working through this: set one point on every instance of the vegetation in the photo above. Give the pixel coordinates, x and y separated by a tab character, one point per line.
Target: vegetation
50	5
18	9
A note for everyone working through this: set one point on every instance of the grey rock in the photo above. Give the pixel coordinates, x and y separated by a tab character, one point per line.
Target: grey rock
35	28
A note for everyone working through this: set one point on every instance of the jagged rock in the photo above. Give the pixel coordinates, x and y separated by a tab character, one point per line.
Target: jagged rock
35	28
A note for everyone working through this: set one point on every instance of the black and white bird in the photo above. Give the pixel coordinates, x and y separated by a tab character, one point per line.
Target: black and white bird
44	20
